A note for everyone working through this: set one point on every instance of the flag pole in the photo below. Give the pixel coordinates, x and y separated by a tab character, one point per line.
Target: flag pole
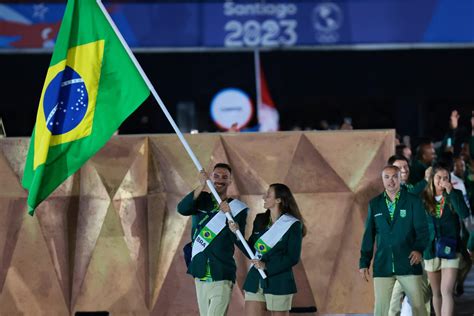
173	124
258	84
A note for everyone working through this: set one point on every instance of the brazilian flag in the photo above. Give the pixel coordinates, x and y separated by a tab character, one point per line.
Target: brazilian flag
91	87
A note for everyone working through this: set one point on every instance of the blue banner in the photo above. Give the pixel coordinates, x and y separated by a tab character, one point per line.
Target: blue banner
243	24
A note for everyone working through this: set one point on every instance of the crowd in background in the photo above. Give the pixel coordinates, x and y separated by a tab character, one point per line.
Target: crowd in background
439	175
455	152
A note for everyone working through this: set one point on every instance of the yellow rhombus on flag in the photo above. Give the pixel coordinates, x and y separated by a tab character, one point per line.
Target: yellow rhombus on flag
91	87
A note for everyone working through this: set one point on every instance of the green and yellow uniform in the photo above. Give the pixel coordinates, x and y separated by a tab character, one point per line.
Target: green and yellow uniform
214	268
448	212
278	261
397	227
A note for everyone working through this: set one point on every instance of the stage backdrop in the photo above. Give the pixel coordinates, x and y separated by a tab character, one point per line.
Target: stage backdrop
110	239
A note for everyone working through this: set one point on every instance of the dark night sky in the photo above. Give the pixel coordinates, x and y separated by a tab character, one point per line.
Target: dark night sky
411	90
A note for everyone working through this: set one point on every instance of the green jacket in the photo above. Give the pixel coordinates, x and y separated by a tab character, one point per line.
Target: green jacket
395	239
417	188
278	261
220	253
448	225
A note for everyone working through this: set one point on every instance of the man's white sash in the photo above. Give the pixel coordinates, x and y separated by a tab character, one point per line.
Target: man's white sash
272	236
214	227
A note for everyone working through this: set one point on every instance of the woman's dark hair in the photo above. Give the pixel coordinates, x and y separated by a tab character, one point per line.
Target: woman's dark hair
428	195
288	205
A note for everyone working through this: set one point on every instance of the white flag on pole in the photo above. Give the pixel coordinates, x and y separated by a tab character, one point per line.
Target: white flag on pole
267	113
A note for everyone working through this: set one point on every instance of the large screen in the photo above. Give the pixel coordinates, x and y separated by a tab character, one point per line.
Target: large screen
249	24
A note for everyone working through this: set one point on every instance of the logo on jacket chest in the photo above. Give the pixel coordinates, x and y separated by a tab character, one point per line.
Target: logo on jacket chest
403	213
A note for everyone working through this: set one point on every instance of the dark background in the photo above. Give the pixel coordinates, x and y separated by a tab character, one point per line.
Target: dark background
412	90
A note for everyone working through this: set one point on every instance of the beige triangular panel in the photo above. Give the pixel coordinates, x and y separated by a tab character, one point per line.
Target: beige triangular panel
309	172
155	176
246	179
178	295
349	153
133	215
325	215
9	180
114	160
112	225
303	300
125	257
70	187
169	177
15	151
91	184
348	291
173	230
111	264
267	156
135	182
53	219
173	151
11	215
372	179
31	286
93	206
156	216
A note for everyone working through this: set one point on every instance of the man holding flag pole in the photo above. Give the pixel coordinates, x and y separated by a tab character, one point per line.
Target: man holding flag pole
93	84
211	257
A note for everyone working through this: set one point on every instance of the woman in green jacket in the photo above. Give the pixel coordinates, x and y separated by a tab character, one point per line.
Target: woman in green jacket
444	206
276	237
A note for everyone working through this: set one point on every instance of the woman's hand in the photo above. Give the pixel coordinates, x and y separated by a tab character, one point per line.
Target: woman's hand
447	186
233	226
428	173
258	264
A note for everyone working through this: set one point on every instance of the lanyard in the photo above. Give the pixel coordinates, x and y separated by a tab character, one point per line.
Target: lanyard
440	207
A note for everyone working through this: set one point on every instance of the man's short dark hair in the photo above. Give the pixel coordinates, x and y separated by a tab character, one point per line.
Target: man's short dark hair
394	158
446	160
223	166
400	148
421	147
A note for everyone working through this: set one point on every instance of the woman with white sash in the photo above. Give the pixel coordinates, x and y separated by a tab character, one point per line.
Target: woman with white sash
276	237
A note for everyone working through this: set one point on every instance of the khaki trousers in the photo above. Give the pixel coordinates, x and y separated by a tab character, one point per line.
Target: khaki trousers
412	285
398	293
213	297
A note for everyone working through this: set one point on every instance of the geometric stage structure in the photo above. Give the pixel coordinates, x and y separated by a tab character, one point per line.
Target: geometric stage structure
110	239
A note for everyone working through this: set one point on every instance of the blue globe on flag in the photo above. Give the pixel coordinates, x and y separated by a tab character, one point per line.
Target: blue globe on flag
65	102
